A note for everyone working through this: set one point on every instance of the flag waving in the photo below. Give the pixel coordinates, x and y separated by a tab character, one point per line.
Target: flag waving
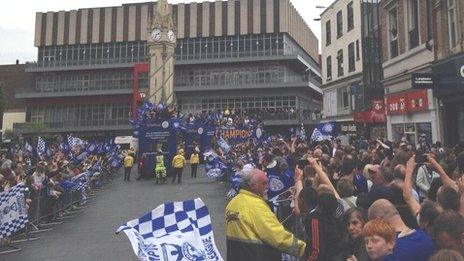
41	147
173	231
13	212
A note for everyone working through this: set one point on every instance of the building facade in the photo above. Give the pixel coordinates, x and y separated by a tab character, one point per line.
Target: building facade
351	71
13	77
408	53
448	68
237	54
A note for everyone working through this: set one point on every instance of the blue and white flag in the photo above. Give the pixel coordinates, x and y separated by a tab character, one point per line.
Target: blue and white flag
213	165
224	145
13	212
41	147
173	231
302	132
323	131
28	147
279	182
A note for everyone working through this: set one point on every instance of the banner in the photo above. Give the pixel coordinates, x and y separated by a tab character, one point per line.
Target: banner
173	231
158	135
192	135
236	135
13	212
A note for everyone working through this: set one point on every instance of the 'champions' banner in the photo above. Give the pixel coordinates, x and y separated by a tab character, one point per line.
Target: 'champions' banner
235	135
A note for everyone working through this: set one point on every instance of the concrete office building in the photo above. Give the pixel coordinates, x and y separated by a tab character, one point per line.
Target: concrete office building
236	54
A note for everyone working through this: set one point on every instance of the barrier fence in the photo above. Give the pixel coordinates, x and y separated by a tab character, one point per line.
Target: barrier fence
45	210
284	212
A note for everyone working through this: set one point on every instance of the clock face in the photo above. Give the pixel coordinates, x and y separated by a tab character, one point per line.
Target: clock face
156	34
171	36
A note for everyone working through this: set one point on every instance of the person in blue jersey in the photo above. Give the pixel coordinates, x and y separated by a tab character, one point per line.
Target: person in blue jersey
411	244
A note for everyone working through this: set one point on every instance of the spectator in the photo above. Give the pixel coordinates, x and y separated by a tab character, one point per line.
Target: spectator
354	220
448	231
379	238
324	231
253	231
447	255
411	244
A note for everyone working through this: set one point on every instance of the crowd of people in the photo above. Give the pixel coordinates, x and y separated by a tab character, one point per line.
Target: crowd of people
53	169
370	200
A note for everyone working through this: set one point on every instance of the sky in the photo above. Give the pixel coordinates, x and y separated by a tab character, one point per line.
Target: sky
17	21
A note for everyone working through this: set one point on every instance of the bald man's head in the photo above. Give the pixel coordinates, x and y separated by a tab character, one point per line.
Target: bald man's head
382	208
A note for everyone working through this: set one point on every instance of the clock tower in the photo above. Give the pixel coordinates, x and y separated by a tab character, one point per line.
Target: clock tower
161	45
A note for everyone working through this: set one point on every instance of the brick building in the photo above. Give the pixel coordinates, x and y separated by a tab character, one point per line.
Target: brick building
235	54
448	67
408	53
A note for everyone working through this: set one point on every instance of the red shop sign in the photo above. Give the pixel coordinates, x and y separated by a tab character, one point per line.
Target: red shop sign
418	101
407	102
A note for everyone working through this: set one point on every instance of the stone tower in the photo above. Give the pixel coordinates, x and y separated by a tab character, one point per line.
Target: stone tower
161	44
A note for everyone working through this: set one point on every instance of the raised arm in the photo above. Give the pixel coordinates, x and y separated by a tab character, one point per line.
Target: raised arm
443	176
323	178
413	205
298	177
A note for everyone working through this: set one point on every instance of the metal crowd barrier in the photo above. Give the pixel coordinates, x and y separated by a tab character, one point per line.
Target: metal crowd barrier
284	212
45	211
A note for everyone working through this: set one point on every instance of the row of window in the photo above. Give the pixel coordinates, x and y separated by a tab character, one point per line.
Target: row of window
105	80
81	54
230	46
349	22
340	61
233	76
269	102
413	26
80	115
187	49
412	23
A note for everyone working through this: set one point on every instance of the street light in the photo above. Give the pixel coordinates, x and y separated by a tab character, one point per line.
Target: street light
321	7
317	19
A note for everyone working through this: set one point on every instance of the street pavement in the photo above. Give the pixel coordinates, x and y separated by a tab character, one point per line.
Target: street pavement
89	235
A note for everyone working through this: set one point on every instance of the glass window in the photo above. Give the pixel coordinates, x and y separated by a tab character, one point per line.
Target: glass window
351	63
397	131
349	11
329	68
393	32
452	22
328	33
340	62
413	32
339	24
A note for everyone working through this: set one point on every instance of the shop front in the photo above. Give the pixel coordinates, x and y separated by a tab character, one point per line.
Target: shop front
412	113
449	89
348	131
373	121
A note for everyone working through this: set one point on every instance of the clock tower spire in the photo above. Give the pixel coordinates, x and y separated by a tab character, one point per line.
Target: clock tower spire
161	45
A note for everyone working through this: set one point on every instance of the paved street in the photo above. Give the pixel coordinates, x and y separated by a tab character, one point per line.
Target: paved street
90	234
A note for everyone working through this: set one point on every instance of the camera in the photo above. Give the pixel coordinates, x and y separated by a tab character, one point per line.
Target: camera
421	158
303	162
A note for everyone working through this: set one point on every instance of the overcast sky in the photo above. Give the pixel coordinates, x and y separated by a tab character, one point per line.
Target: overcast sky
17	21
